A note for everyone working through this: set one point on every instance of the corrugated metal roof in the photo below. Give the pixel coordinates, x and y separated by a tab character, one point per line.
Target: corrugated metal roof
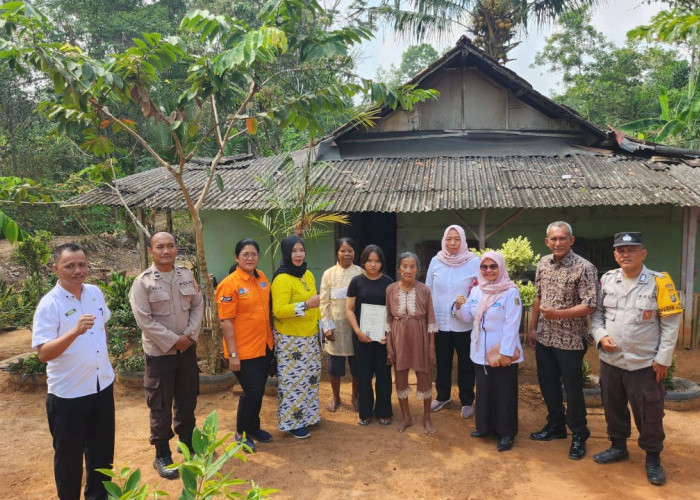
430	184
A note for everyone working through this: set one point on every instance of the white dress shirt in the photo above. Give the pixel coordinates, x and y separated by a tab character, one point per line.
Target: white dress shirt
445	283
76	371
500	323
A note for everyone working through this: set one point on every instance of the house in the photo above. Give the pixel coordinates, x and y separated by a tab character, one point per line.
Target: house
491	154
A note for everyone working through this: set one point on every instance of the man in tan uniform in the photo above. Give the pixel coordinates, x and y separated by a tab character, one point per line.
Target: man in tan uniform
167	305
636	343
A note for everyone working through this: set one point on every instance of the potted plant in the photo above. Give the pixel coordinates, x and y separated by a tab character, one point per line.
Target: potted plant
28	371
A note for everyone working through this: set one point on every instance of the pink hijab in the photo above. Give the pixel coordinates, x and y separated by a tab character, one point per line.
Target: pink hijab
463	254
492	291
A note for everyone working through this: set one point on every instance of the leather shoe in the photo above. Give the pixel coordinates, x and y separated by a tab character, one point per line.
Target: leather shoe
505	444
160	464
578	447
655	472
548	433
612	454
477	434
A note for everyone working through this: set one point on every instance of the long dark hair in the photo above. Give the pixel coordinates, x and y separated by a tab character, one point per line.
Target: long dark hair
239	247
369	250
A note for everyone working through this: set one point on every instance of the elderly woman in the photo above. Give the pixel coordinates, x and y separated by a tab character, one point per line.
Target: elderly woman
370	354
243	300
411	331
452	271
494	307
295	311
336	329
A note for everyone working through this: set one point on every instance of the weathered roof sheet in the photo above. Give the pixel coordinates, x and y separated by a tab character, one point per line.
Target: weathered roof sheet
429	184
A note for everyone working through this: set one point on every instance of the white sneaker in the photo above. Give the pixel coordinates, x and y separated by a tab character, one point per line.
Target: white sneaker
436	405
467	411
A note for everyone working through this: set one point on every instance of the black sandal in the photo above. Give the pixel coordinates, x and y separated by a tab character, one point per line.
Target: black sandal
363	421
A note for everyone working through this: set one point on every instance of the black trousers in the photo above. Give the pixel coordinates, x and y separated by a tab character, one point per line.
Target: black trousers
496	407
252	377
557	367
168	380
645	396
371	362
82	426
446	343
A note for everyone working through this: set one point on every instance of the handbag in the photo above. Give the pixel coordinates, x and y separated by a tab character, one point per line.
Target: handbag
493	354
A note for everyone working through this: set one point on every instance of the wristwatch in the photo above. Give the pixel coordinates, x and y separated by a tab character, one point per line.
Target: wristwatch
233	355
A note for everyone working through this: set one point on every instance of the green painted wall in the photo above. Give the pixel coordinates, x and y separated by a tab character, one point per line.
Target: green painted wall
661	227
223	229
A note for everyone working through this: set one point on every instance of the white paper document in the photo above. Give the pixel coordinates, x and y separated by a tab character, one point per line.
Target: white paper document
373	320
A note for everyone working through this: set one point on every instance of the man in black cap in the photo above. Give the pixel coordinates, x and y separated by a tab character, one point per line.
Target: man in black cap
635	341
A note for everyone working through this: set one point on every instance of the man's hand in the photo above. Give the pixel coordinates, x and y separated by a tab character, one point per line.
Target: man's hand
607	344
183	343
549	312
329	335
85	322
531	337
660	370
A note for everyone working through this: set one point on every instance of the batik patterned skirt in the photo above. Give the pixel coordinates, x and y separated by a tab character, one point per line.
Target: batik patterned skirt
298	374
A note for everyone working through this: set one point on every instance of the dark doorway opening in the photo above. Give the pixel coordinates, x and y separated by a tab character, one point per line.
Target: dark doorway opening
373	228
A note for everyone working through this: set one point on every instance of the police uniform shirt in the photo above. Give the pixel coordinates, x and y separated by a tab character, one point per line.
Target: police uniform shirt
630	317
76	371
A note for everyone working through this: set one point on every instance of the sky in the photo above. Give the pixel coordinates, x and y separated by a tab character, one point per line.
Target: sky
613	19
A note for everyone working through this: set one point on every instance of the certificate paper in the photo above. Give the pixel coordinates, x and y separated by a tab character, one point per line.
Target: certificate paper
373	320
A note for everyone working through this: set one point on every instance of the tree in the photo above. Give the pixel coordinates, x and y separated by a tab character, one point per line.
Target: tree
606	84
494	23
413	60
230	68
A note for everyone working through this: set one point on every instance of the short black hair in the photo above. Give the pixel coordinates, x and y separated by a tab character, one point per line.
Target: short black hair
370	249
244	243
150	238
66	247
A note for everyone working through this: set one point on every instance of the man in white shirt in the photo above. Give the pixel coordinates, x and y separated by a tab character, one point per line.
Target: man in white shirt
70	335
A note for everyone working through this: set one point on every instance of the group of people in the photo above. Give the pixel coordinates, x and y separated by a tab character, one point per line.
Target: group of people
468	306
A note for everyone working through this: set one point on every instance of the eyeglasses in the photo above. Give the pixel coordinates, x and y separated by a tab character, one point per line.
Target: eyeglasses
249	255
303	282
492	267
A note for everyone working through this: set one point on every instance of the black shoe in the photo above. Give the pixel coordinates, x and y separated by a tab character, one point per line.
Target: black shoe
505	444
578	447
548	433
655	472
160	464
477	434
616	453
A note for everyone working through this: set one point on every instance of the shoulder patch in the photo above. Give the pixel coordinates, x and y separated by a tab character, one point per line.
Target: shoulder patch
225	299
516	300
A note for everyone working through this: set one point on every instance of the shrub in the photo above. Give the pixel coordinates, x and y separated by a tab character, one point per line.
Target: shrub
668	380
200	472
27	367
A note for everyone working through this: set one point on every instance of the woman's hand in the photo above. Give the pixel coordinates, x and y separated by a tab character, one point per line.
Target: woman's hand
313	301
363	337
234	364
461	299
503	360
389	360
329	335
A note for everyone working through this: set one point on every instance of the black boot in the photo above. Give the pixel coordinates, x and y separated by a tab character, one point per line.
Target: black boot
163	459
655	472
578	446
186	439
616	453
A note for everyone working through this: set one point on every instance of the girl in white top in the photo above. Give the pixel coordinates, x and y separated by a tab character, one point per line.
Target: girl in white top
495	308
452	272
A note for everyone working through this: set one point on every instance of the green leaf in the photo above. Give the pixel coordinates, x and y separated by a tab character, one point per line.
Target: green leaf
113	489
219	182
188	478
133	481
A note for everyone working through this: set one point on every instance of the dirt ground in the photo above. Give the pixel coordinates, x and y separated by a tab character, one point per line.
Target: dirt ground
344	460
